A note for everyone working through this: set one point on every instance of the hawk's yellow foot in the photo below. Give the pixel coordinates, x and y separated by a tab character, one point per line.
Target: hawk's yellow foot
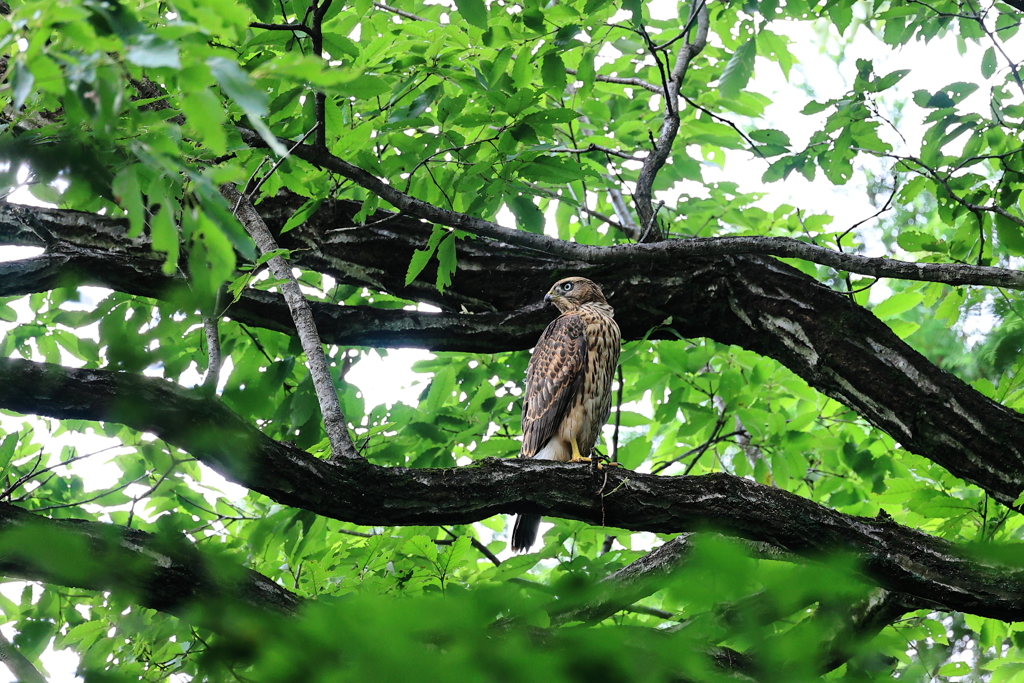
576	456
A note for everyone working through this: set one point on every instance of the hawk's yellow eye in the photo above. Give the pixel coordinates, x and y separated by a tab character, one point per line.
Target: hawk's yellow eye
567	286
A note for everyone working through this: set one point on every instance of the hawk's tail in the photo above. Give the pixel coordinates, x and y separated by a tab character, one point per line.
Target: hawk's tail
524	533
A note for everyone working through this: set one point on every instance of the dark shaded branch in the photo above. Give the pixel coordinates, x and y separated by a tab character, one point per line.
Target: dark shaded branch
893	556
755	302
301	28
660	252
163	573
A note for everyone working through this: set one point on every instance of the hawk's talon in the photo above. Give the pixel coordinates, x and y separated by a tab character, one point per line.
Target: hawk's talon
579	458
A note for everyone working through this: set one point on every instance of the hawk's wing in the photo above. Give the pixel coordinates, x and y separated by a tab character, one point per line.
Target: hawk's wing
552	380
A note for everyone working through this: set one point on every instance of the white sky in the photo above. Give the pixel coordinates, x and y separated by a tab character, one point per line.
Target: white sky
388	380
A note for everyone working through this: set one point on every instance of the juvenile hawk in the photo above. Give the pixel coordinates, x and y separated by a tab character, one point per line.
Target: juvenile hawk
568	384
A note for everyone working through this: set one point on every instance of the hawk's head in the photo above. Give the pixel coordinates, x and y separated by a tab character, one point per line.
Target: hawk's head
572	292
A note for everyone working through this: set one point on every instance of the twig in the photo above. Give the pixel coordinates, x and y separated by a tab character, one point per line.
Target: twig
399	12
576	204
96	497
35	473
876	214
945	184
635	82
686	28
319	98
596	148
669	126
252	193
722	119
151	489
327	395
618	417
476	544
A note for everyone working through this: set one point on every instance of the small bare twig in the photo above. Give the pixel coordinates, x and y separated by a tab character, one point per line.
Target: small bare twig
399	12
635	82
252	193
596	148
722	119
876	214
96	497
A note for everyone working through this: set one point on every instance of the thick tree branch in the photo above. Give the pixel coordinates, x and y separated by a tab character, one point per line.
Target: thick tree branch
660	252
895	557
305	326
18	664
162	573
751	301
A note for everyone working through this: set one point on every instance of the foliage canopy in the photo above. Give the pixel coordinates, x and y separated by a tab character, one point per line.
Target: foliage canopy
859	514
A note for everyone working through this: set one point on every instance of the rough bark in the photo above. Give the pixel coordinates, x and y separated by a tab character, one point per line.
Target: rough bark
893	556
755	302
302	318
165	574
18	664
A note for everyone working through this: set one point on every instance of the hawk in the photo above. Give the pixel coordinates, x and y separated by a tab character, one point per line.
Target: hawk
568	384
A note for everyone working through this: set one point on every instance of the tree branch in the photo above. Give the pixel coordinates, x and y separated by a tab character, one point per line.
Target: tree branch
399	12
163	573
326	394
663	252
893	556
754	302
669	127
23	670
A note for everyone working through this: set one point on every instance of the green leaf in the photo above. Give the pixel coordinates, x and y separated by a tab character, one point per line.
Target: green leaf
362	87
302	214
240	88
441	389
211	259
552	71
204	113
446	262
988	63
955	669
594	5
1010	234
129	196
552	116
473	11
912	240
338	45
420	257
565	34
770	136
528	216
22	81
738	70
164	234
898	303
151	51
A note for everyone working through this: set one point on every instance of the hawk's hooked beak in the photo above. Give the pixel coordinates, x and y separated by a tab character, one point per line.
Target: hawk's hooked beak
548	298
